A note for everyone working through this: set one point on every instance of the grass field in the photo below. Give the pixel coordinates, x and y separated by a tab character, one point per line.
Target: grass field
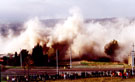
100	79
82	64
91	64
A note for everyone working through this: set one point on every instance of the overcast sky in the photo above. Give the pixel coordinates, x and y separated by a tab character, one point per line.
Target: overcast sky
24	9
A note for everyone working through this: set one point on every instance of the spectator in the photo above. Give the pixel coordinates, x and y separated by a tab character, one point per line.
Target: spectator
13	79
7	78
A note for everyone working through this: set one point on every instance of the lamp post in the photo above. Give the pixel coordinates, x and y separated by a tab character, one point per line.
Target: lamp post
21	59
0	72
57	68
132	54
70	58
28	73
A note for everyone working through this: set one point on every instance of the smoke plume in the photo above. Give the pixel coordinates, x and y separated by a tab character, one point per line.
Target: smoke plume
85	39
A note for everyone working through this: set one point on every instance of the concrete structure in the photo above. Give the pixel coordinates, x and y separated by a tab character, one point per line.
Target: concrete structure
131	60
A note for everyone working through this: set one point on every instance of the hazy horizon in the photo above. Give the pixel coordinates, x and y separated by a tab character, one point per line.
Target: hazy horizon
20	10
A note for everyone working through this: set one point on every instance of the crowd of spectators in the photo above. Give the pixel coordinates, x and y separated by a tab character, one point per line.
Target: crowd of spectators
68	75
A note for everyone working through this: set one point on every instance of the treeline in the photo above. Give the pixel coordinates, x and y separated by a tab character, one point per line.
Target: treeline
37	58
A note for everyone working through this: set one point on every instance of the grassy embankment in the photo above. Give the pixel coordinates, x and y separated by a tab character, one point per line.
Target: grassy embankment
100	79
83	64
91	64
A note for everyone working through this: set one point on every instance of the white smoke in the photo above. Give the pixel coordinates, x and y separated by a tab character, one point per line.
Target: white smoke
34	33
82	37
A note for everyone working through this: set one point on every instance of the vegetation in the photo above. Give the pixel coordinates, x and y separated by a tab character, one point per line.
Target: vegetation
37	58
93	64
100	63
4	81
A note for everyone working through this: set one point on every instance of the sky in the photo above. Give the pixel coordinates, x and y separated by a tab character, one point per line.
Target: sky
25	9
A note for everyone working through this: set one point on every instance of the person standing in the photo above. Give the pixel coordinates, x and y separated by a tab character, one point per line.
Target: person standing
7	78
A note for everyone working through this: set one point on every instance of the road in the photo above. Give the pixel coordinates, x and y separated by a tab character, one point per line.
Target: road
22	72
